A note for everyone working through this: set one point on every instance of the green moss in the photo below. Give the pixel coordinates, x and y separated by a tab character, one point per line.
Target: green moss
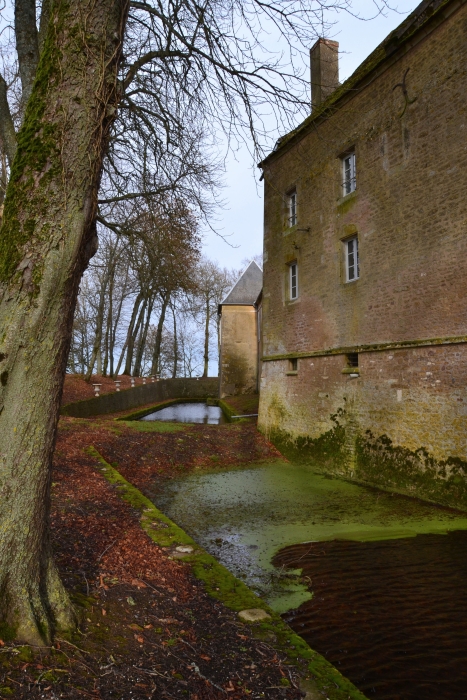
82	601
25	654
223	585
154	426
7	633
6	691
346	204
376	347
234	594
416	473
328	451
38	151
167	535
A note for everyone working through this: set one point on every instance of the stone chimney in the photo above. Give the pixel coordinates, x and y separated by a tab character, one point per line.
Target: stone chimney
324	63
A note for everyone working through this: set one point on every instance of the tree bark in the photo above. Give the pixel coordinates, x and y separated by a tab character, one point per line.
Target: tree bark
130	330
113	335
46	240
132	339
27	44
96	350
7	127
175	367
160	325
108	327
142	340
206	339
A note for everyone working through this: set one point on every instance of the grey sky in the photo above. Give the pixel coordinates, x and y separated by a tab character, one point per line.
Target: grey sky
242	219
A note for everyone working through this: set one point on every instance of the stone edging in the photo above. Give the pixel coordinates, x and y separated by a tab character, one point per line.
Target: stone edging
234	594
226	409
373	347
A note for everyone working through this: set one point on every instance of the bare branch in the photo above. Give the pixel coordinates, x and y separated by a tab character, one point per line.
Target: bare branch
7	128
27	44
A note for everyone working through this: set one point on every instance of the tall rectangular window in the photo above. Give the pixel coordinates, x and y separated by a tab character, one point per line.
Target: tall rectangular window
292	208
352	267
293	281
349	176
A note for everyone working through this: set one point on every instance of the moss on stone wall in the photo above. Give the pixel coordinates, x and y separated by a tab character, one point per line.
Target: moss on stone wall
326	452
417	473
376	461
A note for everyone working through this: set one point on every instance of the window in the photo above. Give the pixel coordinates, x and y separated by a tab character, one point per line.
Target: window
352	359
293	281
349	180
352	267
293	365
292	208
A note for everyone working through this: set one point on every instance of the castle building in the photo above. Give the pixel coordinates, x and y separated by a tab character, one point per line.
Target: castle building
240	337
364	366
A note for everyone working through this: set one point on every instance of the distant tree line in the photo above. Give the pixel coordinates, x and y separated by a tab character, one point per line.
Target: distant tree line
148	302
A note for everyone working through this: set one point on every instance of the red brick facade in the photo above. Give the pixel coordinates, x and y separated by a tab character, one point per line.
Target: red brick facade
402	422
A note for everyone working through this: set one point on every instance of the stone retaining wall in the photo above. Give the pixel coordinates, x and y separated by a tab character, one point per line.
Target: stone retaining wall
142	395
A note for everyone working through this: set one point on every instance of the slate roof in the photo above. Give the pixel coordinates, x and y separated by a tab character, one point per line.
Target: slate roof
247	288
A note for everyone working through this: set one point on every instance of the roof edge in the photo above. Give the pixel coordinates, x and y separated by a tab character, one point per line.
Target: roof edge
237	281
395	40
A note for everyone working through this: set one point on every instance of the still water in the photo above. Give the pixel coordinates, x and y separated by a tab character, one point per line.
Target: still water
383	592
189	413
391	615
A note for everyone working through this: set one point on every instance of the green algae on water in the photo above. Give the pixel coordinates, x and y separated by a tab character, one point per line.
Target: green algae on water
244	516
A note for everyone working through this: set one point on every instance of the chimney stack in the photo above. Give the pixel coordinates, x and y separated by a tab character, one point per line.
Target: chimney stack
324	63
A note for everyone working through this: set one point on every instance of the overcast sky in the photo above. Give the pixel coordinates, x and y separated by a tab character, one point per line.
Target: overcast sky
242	219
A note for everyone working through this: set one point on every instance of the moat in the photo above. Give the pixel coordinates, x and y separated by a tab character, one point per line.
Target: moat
382	591
192	412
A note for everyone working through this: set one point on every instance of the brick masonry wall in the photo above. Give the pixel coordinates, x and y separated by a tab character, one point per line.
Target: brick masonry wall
239	351
402	423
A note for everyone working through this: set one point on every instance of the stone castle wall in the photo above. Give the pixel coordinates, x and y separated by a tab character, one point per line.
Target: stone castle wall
239	351
181	388
402	422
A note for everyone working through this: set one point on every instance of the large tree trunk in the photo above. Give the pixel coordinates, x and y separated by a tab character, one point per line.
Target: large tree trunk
108	328
142	340
129	334
157	345
174	371
47	238
132	339
206	340
96	350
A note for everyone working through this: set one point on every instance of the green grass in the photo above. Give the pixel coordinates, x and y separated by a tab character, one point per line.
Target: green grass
143	426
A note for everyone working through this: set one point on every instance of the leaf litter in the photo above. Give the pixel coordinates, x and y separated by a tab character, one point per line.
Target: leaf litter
148	629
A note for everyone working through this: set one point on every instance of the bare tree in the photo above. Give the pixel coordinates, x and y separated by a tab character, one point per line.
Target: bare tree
187	67
211	284
47	238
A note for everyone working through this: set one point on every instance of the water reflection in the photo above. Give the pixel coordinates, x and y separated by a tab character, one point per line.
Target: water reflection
391	615
189	413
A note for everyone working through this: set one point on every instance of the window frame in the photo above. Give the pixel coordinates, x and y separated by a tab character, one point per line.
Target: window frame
352	360
348	174
356	263
292	211
293	275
